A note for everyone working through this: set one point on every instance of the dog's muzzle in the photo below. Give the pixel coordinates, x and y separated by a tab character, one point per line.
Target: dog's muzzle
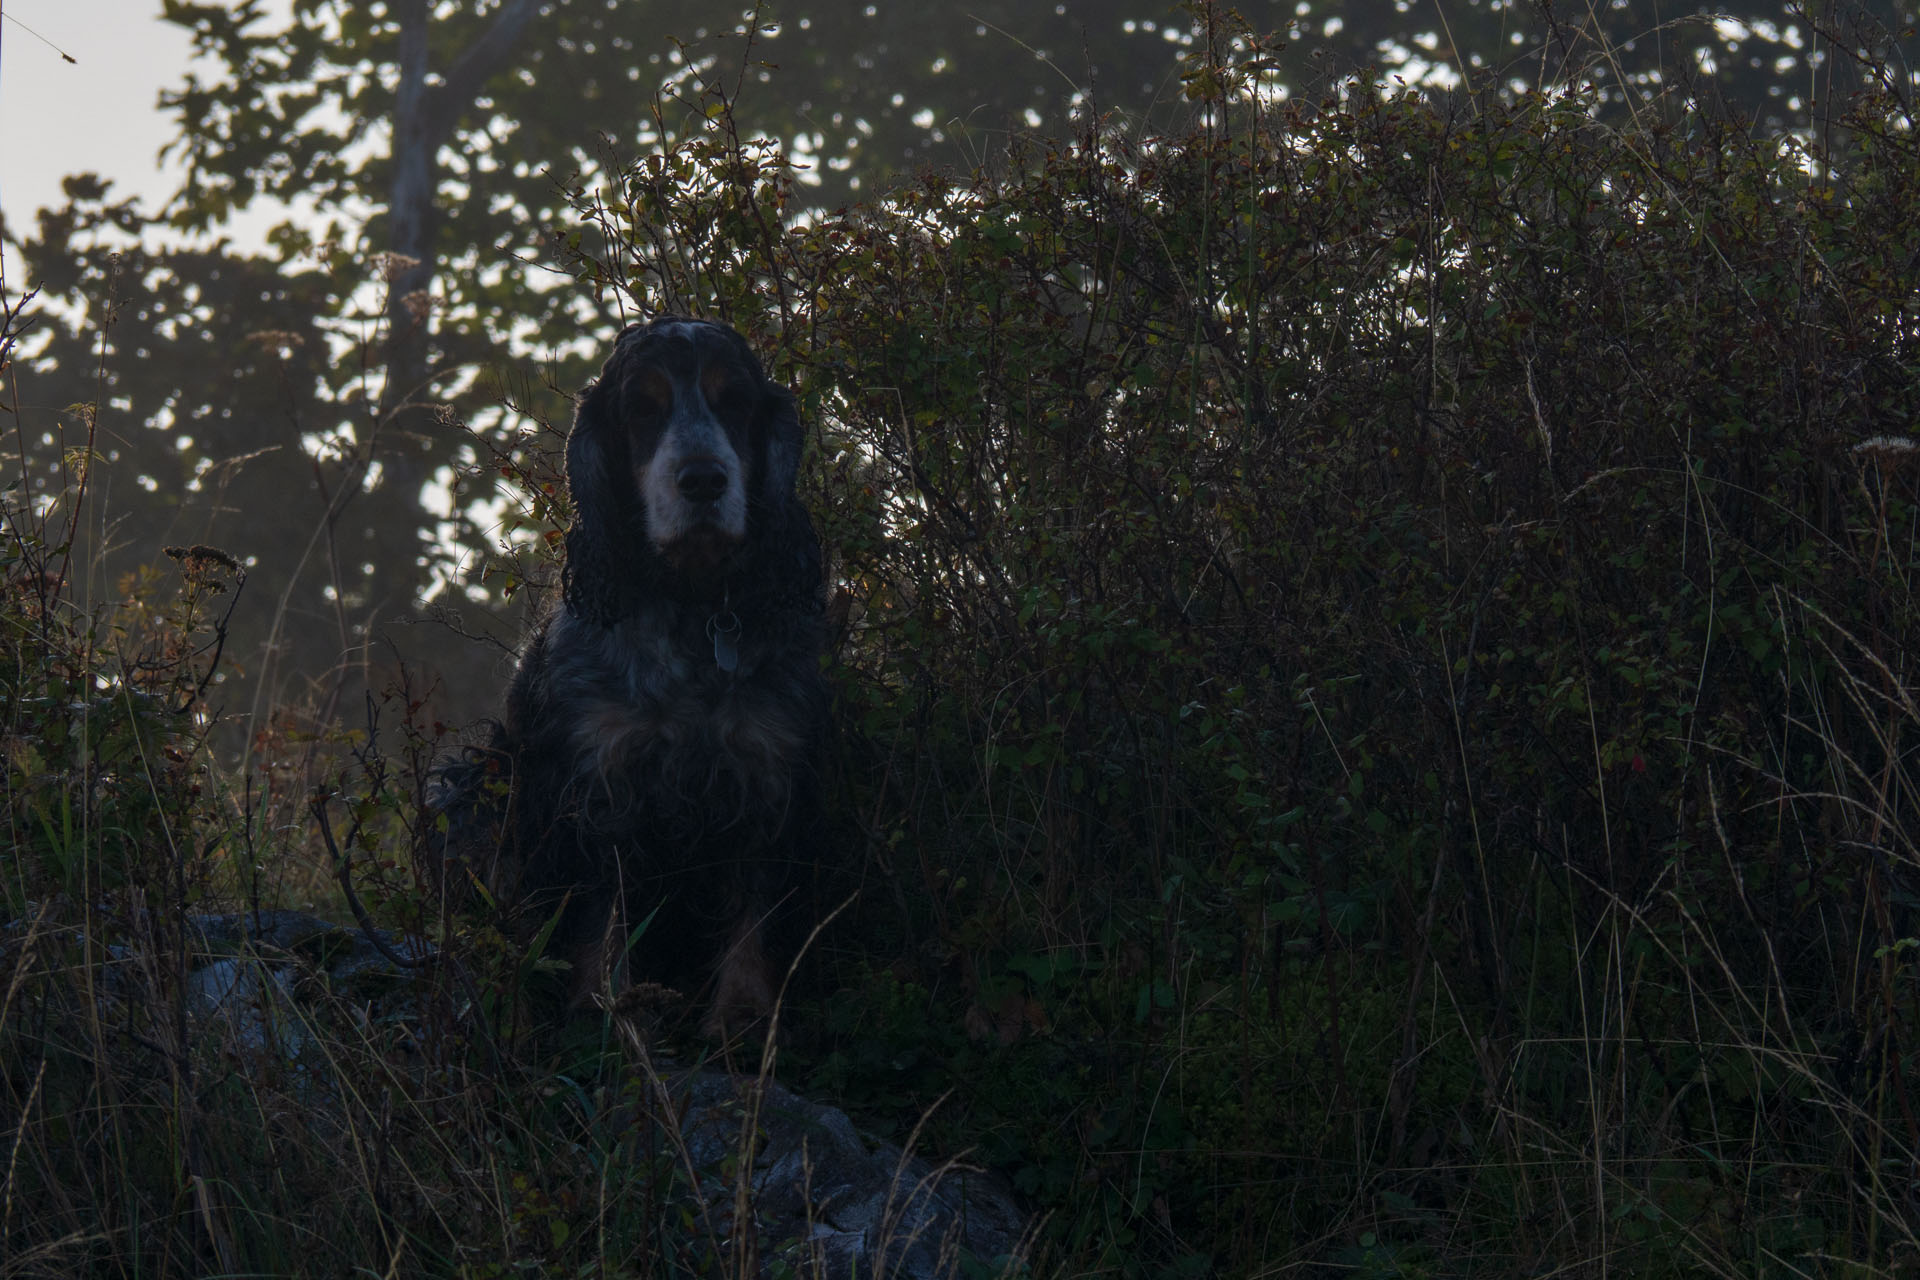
701	481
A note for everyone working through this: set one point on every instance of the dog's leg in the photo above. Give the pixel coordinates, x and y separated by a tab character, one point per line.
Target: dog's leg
600	962
743	989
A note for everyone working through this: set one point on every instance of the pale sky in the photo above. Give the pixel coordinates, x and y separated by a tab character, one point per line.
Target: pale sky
97	113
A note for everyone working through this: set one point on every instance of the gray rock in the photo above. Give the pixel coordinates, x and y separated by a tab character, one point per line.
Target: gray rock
251	1002
829	1203
290	931
826	1202
339	950
248	967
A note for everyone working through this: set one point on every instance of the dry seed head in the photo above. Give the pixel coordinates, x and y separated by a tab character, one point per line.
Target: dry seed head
392	266
1888	450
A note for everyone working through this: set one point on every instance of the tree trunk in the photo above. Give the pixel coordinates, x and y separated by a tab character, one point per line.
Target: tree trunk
412	217
424	116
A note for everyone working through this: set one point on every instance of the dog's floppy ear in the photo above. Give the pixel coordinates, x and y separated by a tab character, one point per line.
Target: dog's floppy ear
591	582
789	561
780	421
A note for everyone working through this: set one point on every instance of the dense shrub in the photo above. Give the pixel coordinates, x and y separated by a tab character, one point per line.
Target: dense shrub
1378	669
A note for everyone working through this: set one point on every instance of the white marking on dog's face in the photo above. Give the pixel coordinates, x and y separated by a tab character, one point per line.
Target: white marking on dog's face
690	412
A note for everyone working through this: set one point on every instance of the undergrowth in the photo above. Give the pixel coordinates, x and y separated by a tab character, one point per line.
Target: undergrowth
1376	686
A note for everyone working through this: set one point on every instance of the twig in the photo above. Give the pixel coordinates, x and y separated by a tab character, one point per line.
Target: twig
343	873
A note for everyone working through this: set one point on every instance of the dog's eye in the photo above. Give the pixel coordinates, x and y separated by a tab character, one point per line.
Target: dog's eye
724	394
652	395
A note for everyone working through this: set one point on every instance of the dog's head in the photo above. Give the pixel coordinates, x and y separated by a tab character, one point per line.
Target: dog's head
682	455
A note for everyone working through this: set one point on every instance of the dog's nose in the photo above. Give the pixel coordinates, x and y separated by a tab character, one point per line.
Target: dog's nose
701	480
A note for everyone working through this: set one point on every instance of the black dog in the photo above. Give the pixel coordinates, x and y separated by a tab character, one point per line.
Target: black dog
656	768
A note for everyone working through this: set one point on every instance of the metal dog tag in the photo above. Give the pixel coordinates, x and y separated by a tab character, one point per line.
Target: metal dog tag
724	630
